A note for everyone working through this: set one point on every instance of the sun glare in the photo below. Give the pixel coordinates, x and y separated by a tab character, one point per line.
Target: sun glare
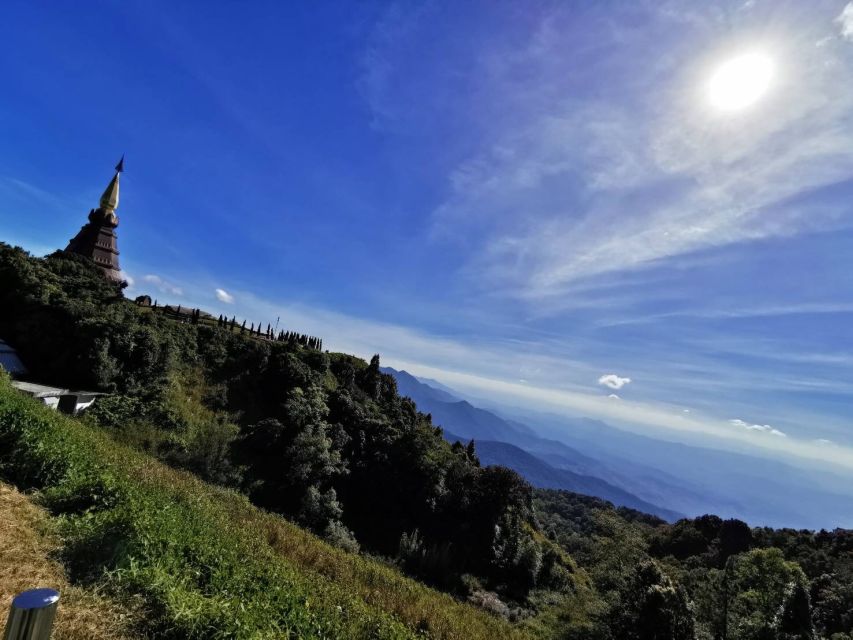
740	81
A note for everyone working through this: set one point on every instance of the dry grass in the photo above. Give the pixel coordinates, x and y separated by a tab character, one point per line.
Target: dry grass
26	550
375	583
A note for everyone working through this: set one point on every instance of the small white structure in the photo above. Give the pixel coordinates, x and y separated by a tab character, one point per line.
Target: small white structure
48	395
71	402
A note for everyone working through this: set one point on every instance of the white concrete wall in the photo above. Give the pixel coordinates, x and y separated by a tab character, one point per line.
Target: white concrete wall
80	406
52	402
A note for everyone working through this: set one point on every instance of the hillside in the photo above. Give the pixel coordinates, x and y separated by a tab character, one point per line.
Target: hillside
237	486
321	438
29	544
204	561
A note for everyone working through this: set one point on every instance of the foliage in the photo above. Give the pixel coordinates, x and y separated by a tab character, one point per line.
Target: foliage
322	438
325	440
740	583
757	586
200	560
650	607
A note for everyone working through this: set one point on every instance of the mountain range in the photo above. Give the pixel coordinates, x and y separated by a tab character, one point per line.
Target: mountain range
512	444
664	478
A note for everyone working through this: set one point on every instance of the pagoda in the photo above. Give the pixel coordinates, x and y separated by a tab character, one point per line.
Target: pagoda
97	239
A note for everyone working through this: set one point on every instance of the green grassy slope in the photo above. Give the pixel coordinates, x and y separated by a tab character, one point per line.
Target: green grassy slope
205	563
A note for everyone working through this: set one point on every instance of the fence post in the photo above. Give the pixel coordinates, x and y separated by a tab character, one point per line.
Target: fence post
31	616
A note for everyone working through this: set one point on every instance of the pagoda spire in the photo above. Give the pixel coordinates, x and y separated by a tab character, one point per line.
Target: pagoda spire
109	200
97	239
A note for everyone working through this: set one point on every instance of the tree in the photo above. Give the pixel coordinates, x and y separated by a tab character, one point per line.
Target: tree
795	620
650	607
294	462
371	378
471	453
735	537
756	586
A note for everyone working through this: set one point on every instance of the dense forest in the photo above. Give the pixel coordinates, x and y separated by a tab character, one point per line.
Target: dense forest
325	440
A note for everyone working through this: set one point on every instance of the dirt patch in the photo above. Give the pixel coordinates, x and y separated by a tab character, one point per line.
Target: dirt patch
26	561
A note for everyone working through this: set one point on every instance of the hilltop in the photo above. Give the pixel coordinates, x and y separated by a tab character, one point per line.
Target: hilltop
243	487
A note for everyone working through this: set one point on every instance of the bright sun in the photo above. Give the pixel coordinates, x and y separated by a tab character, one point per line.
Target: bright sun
741	81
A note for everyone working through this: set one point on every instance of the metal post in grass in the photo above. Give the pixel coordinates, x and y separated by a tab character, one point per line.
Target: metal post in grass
32	614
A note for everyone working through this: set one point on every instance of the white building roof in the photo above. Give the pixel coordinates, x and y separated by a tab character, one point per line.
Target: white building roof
38	390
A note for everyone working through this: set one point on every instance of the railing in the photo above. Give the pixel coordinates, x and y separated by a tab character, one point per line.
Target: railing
32	614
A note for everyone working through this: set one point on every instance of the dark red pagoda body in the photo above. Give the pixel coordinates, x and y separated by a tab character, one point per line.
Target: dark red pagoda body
97	239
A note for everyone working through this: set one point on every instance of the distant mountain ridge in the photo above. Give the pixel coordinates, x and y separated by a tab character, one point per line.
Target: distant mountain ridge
682	478
502	442
544	476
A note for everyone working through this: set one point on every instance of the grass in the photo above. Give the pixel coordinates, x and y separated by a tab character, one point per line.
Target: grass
202	561
27	559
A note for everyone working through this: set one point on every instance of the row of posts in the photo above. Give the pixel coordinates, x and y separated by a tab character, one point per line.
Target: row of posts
32	614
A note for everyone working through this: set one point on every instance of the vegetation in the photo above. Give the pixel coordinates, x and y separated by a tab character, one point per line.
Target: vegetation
717	577
204	561
322	438
325	440
28	544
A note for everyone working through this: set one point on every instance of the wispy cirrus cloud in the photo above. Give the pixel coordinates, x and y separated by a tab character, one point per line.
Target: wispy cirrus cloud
648	171
845	21
732	312
162	285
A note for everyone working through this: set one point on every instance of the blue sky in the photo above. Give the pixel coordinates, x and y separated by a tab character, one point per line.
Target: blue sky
533	201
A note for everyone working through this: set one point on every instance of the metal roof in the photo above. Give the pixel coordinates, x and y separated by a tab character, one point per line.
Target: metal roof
10	361
38	390
45	391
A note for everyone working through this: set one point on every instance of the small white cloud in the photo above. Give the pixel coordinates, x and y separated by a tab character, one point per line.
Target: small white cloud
845	19
825	442
223	296
686	410
612	381
128	279
163	285
762	428
614	396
